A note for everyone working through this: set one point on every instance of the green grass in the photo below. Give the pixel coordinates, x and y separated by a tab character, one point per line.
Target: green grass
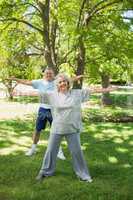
107	114
25	99
121	108
108	149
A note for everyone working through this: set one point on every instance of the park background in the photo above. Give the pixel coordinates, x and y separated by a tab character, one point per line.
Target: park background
94	38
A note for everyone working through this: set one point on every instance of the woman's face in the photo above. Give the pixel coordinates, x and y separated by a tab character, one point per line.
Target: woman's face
63	85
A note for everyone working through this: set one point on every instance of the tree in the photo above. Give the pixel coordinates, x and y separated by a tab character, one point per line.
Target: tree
62	37
110	50
14	58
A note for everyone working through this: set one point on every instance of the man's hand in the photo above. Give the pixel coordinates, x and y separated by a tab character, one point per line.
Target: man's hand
12	78
78	78
21	81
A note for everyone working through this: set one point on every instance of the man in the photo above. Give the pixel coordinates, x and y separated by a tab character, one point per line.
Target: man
44	113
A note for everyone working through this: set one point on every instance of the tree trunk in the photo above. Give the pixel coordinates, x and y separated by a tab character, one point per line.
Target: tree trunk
106	100
49	52
10	95
10	89
80	62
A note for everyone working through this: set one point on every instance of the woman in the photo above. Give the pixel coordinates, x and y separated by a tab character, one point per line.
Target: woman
66	105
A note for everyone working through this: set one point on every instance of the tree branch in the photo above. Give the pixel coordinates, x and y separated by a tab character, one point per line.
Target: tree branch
34	54
34	7
24	22
38	48
80	12
107	5
95	9
98	4
129	18
5	27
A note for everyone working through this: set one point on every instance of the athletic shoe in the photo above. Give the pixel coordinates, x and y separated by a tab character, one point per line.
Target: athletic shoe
60	155
30	152
87	180
40	177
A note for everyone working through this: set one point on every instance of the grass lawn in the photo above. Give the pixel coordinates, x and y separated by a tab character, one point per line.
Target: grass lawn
108	149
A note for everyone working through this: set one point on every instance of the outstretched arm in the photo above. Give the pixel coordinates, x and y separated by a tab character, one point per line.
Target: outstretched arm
85	93
77	78
44	95
28	93
22	81
102	90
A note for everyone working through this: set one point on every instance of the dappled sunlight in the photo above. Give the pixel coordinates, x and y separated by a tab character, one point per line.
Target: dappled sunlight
64	143
126	165
125	137
16	136
112	159
118	140
109	160
12	149
126	127
122	150
43	143
85	144
83	147
19	144
15	127
13	110
110	133
109	144
90	127
17	140
100	136
130	143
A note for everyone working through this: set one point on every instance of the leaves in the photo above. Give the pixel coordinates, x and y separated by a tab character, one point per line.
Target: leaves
106	36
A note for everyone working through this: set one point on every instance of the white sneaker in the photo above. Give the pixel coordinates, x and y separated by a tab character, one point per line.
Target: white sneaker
87	180
60	155
30	152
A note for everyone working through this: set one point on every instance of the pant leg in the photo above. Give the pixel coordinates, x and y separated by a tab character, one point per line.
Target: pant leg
49	160
79	164
41	120
49	117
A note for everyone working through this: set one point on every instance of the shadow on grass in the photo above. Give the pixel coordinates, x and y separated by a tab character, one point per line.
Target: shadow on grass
25	99
122	98
108	151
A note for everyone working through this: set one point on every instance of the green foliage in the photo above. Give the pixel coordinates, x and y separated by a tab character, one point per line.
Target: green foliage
110	41
107	37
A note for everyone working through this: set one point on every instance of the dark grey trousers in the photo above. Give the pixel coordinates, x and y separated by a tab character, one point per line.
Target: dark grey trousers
49	160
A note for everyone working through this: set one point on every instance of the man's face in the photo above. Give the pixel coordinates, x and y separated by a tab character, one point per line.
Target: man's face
48	75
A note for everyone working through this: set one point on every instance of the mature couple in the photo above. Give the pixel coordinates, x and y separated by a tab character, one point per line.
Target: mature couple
66	111
44	111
